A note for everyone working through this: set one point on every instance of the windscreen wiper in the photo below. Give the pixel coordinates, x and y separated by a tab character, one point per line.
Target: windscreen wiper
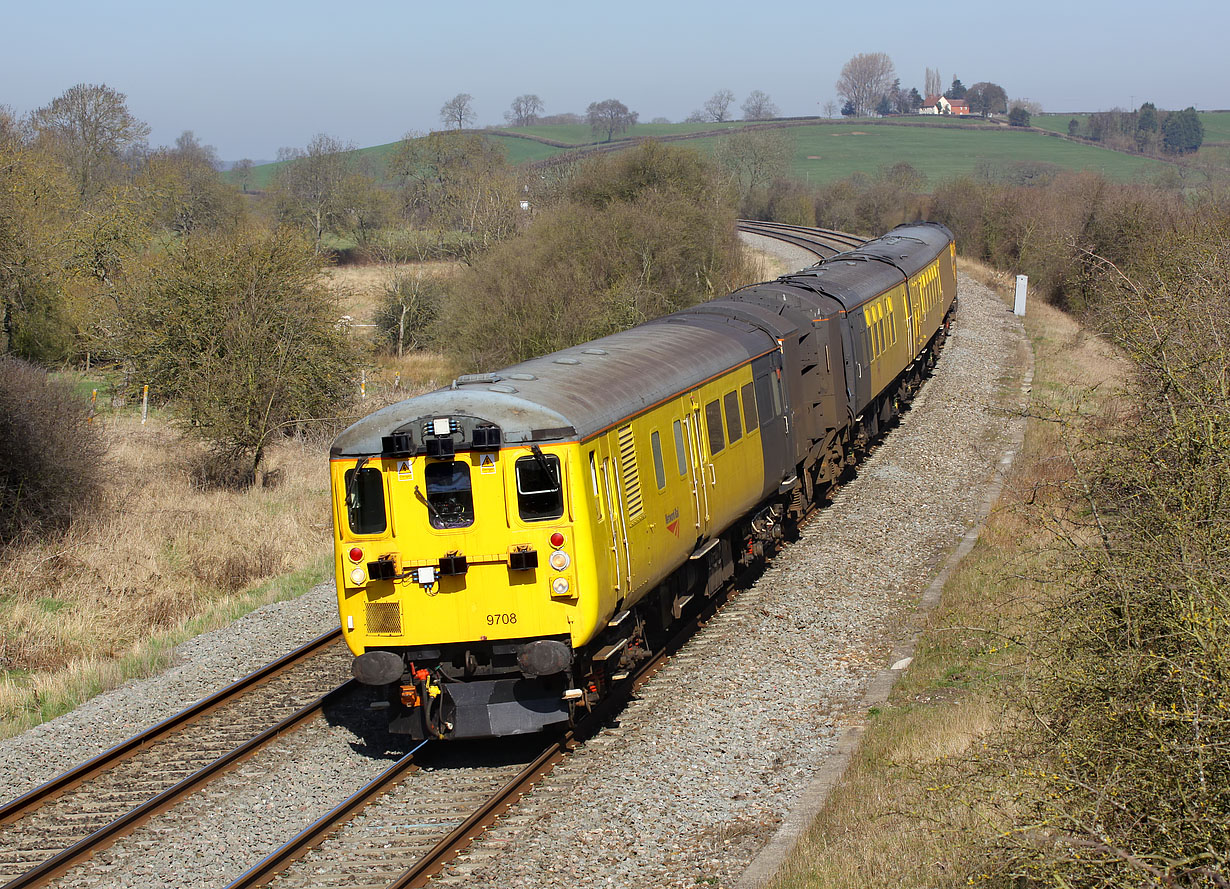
546	467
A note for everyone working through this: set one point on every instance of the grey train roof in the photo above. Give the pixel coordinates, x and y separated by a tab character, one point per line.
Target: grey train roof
577	392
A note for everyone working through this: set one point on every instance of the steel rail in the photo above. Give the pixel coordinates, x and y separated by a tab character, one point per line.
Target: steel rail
829	234
822	243
102	838
24	804
310	837
495	805
448	848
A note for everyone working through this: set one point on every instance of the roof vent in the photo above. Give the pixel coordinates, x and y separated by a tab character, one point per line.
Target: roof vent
507	390
566	361
522	376
475	378
593	351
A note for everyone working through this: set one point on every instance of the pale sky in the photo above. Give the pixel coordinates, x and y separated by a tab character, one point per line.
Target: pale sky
249	77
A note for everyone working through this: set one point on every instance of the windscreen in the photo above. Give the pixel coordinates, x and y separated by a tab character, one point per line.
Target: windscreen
450	501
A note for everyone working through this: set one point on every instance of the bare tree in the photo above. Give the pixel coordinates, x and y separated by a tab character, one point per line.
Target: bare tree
524	110
310	189
754	158
717	106
758	106
934	84
864	79
830	108
91	127
242	170
609	116
458	111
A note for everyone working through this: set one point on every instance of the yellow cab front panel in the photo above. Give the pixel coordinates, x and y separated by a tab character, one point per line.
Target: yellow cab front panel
469	548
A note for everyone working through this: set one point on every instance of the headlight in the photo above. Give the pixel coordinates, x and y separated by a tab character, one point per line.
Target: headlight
559	586
559	560
358	577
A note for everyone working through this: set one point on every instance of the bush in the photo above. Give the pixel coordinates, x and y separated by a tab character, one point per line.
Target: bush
637	235
408	311
51	466
1129	784
239	334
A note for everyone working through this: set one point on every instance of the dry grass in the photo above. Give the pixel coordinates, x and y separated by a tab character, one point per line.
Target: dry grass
904	814
160	560
764	266
359	288
164	559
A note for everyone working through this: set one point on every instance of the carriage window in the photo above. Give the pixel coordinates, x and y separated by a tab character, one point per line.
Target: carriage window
734	431
749	407
450	502
764	398
713	421
365	501
539	492
681	454
659	471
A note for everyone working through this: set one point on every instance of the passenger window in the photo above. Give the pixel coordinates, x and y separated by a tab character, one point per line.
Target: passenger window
540	495
713	421
681	452
764	399
450	502
749	407
365	501
659	471
734	431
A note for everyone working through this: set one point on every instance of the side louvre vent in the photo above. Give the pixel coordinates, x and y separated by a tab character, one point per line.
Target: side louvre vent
384	618
631	476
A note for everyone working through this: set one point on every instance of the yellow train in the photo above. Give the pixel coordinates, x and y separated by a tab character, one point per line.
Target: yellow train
509	547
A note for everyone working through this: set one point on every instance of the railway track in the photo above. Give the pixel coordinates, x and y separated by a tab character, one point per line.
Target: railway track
439	809
822	243
59	824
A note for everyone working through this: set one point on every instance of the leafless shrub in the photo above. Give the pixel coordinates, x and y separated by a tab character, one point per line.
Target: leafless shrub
51	467
1121	763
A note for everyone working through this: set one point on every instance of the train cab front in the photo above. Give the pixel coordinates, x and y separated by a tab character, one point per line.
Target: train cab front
459	586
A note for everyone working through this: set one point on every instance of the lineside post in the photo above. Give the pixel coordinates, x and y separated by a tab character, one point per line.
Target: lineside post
1022	285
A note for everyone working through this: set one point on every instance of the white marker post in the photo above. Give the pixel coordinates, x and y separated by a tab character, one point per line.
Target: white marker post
1022	284
144	403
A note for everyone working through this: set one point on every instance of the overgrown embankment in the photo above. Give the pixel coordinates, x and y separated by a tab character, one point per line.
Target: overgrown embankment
1066	722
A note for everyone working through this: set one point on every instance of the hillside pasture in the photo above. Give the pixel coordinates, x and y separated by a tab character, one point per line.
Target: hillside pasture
827	153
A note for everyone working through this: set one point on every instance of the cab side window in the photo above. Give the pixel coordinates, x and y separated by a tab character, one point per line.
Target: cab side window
365	501
540	496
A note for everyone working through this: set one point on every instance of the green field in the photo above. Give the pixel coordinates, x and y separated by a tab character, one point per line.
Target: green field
824	152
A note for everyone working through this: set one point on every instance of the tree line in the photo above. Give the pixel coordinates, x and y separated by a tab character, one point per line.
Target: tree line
1148	130
143	261
607	118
